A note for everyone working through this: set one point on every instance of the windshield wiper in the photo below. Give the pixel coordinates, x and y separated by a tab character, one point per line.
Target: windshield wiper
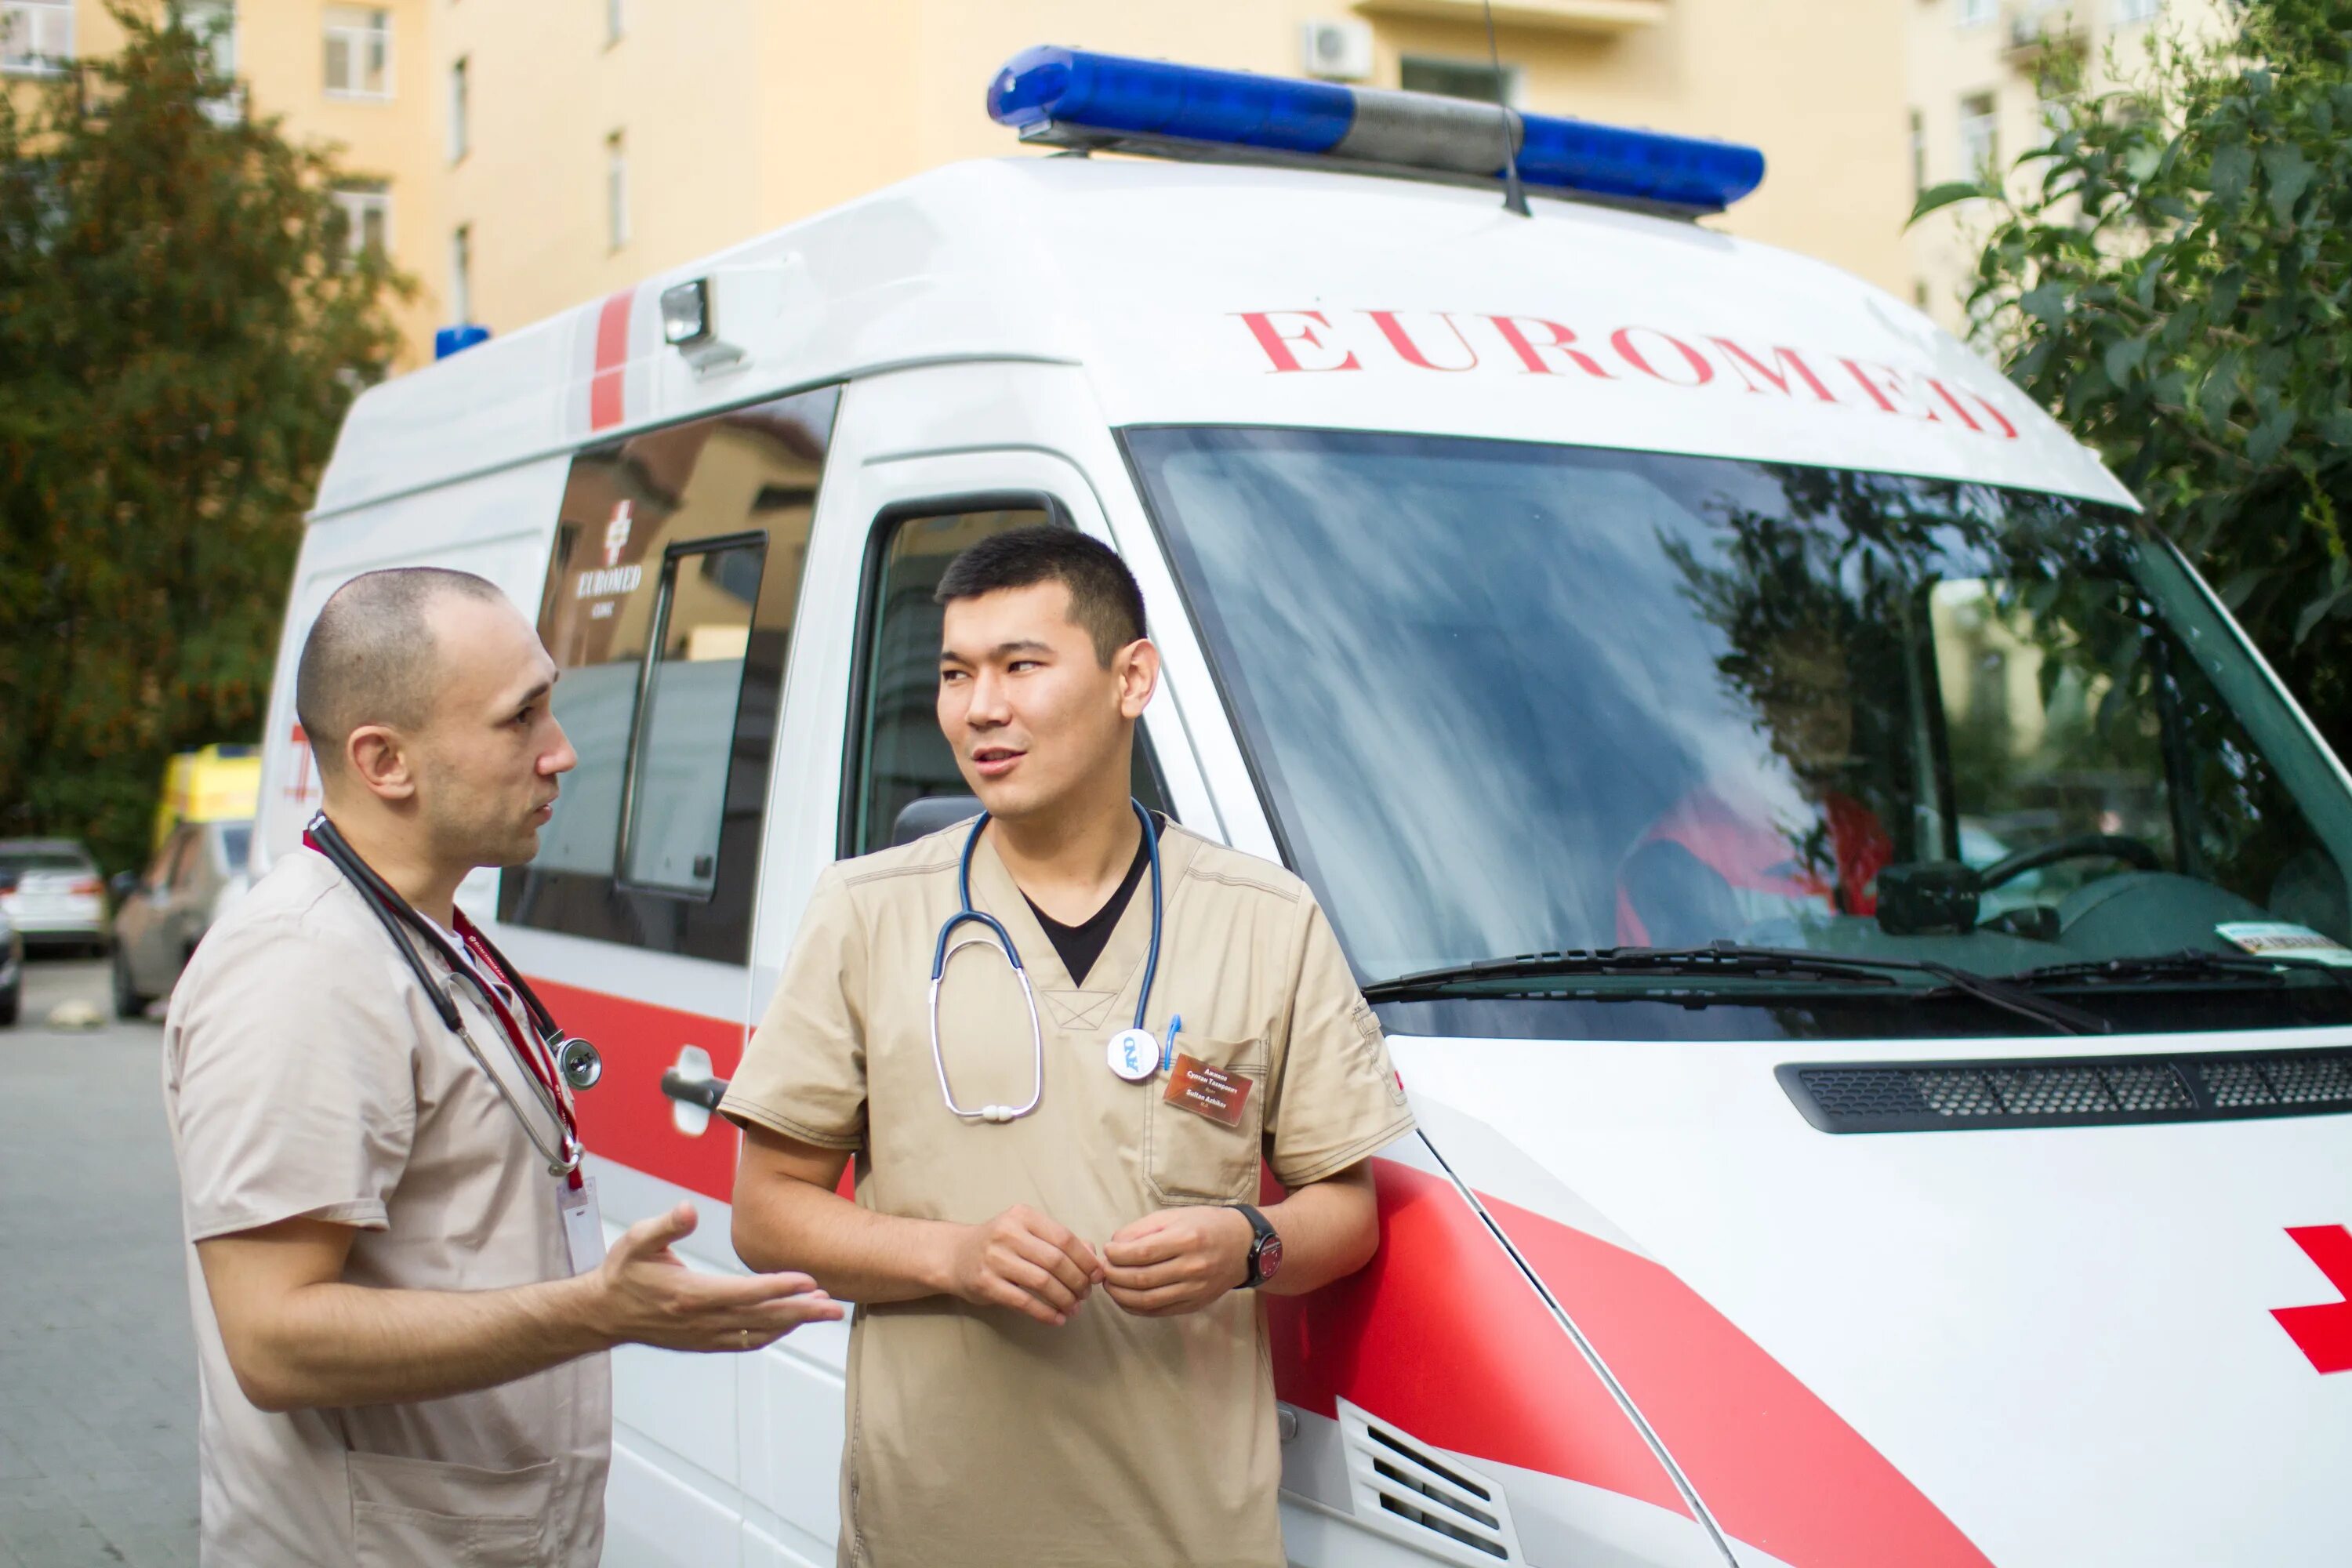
2186	963
1732	960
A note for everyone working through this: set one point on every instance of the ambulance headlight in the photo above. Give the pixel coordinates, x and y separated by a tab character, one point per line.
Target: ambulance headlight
686	313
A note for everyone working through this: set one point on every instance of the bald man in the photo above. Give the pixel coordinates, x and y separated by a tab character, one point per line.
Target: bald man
399	1350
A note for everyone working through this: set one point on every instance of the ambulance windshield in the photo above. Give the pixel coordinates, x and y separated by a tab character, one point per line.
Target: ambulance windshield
1510	699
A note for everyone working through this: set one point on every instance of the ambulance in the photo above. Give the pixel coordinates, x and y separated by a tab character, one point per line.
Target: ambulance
1861	927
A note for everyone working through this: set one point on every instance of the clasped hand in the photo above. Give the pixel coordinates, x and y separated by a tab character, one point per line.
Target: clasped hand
1162	1266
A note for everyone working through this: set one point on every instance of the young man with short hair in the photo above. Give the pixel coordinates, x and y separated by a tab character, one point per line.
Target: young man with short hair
1058	1356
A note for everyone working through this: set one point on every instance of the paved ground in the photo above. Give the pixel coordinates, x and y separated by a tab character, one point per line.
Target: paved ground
98	1382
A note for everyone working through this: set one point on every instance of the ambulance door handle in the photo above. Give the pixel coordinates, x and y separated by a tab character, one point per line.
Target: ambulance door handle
693	1092
705	1092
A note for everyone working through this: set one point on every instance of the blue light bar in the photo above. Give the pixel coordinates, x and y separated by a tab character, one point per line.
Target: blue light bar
447	340
1076	98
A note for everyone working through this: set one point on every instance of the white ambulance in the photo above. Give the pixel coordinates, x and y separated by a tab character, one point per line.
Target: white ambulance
1859	924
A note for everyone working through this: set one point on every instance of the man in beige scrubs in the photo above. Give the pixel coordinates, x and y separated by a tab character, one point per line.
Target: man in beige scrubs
1058	1356
396	1342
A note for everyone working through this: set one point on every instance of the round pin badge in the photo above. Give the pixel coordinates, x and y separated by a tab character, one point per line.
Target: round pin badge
1134	1054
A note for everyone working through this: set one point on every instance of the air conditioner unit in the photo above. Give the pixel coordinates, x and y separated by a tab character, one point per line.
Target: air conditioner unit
1335	51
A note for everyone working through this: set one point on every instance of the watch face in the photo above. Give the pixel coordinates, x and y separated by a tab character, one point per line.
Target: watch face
1269	1258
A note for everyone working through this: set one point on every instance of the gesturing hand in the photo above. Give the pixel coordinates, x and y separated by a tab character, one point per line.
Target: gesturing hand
1178	1260
646	1295
1023	1260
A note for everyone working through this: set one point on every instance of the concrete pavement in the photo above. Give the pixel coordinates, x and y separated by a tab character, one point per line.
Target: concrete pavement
97	1382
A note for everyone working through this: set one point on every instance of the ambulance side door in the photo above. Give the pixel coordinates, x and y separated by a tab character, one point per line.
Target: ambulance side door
670	603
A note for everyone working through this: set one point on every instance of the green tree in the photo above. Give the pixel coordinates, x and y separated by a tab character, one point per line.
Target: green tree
182	324
2169	273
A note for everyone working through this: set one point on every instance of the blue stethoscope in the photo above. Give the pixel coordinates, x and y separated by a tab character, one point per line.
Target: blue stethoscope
1133	1052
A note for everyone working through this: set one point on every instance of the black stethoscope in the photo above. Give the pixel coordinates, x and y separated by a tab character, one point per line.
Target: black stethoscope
566	1057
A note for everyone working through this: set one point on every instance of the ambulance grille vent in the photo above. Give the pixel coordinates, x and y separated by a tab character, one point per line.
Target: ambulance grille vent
1407	1489
2088	1092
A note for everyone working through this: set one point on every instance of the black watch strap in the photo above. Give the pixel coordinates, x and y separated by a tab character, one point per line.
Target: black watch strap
1264	1236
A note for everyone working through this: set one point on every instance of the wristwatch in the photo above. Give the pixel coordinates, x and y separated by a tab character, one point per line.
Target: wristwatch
1266	1250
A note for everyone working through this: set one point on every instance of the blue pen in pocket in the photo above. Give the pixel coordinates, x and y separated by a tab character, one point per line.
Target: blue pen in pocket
1168	1051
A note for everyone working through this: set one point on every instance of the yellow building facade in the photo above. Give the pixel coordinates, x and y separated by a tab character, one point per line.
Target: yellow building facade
353	75
1977	89
531	154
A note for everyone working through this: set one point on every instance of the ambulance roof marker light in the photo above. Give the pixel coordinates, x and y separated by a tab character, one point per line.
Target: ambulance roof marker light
447	340
1075	98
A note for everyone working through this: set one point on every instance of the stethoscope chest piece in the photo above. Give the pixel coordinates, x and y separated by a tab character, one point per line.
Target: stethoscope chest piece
1134	1054
581	1063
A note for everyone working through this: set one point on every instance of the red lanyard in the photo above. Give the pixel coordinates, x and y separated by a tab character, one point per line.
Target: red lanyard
536	1055
537	1058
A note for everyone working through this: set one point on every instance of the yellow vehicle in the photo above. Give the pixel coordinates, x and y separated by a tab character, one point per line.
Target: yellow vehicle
213	784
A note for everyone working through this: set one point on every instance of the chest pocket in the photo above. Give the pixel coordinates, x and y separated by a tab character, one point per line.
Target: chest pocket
1190	1159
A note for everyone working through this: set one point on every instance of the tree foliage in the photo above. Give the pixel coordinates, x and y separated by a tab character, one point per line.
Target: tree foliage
182	326
2167	273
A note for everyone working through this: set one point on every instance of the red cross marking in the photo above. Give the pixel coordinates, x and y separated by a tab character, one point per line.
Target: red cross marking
2324	1332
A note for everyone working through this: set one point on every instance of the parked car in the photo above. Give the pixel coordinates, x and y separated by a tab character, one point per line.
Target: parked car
165	913
12	969
50	890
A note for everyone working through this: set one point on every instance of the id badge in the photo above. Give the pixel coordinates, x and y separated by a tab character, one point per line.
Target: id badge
583	1222
1204	1090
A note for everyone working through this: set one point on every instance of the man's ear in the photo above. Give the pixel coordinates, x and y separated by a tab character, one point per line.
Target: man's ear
1137	665
376	756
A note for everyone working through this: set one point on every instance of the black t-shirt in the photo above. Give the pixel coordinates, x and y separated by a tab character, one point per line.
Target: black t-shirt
1081	944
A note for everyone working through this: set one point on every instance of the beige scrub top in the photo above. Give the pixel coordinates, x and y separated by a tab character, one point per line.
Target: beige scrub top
979	1436
306	1073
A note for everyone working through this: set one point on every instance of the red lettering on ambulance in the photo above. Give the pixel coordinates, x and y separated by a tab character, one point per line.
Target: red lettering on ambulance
1622	340
1886	383
1953	403
1742	362
1276	343
1531	353
2008	431
1409	352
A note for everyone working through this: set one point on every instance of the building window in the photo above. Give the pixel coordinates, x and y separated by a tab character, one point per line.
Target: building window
37	36
2130	11
615	22
214	21
367	215
461	274
1978	13
1980	134
617	191
1473	79
458	109
359	52
1918	155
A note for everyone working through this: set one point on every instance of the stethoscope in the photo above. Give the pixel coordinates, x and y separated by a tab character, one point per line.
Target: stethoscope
567	1056
1133	1052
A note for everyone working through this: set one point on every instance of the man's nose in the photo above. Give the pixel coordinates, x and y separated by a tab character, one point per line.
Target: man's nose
989	705
562	759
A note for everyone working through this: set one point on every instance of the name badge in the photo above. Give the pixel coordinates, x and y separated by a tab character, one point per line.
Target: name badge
1204	1090
583	1222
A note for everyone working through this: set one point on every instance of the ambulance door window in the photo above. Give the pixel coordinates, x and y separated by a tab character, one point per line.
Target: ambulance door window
899	755
669	608
673	814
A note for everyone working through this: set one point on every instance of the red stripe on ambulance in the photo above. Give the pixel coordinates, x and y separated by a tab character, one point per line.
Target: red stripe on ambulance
1440	1311
1776	1467
605	389
627	1117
